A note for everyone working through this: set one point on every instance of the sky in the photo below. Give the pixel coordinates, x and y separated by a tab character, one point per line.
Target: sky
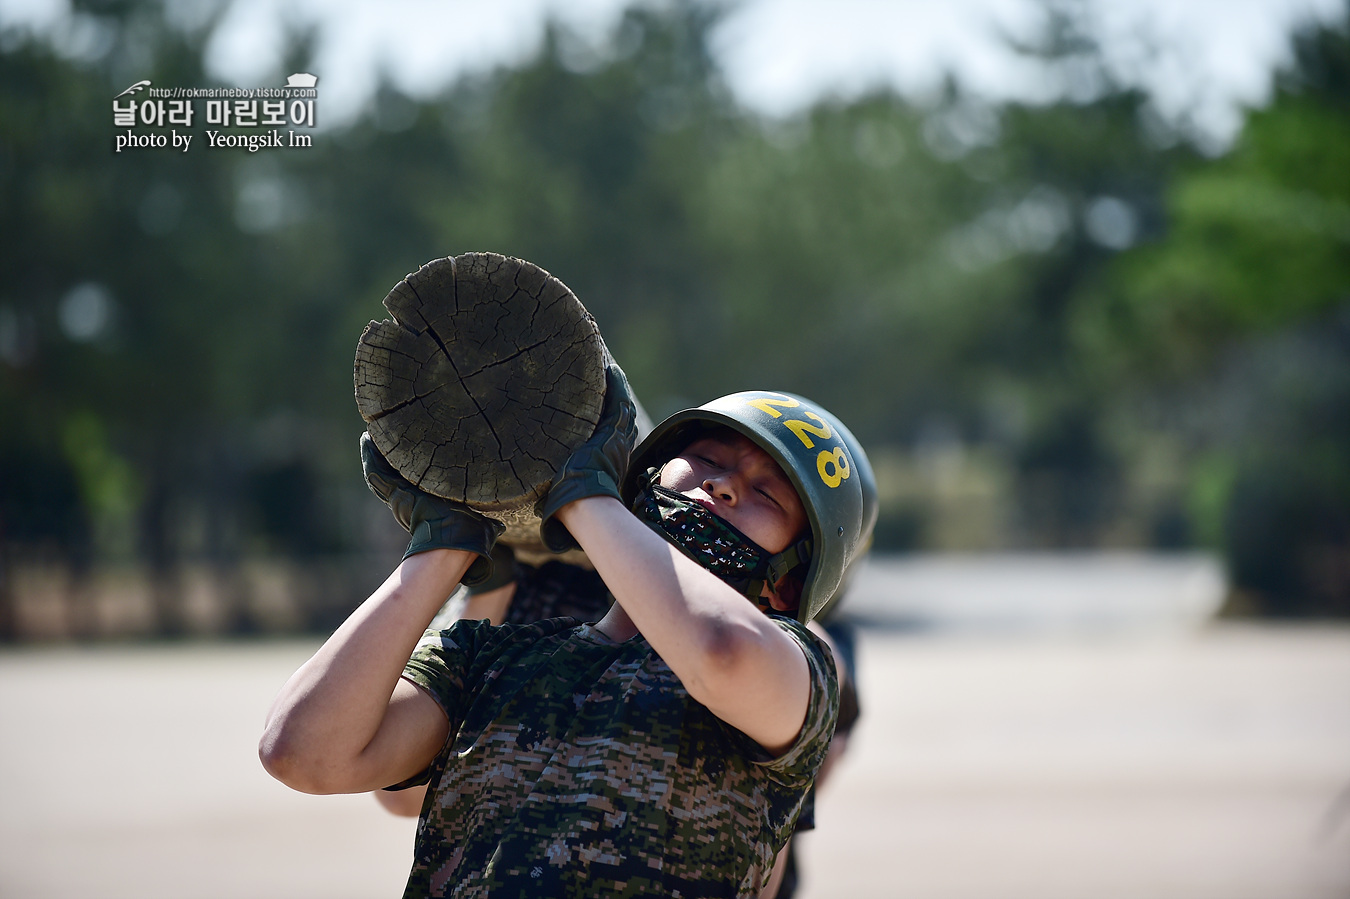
779	55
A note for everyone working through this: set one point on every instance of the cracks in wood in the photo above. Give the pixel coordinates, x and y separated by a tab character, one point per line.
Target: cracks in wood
485	400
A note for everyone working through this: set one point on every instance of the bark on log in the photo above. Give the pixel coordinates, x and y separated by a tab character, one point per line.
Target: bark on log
487	377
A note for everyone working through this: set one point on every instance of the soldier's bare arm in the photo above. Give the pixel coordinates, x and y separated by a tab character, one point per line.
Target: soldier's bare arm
492	606
346	722
729	655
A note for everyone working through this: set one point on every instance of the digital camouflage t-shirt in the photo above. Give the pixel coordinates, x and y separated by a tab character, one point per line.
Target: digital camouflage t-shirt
578	766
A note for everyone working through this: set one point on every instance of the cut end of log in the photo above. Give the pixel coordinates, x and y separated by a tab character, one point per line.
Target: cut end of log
485	378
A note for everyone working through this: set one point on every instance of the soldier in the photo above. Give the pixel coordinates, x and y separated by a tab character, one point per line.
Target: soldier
665	750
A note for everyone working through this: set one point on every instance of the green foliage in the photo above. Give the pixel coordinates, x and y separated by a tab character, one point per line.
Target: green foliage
1239	311
1258	240
1021	307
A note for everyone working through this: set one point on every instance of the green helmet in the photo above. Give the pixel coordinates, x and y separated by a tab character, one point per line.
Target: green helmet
822	459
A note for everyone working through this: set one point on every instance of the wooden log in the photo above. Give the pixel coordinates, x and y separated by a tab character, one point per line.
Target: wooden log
487	377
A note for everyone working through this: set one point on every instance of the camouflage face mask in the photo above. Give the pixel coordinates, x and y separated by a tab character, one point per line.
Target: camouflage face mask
717	545
707	539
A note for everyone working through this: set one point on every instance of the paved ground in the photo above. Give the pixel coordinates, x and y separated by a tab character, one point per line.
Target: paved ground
1175	764
1210	765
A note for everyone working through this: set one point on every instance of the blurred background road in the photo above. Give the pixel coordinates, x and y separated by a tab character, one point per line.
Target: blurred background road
1045	752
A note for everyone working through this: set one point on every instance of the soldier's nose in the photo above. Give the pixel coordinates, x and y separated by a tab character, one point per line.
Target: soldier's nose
721	487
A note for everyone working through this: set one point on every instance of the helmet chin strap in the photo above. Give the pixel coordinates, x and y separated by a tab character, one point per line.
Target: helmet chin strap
797	553
780	566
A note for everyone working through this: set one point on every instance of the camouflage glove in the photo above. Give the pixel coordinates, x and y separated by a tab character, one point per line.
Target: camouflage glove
598	466
433	522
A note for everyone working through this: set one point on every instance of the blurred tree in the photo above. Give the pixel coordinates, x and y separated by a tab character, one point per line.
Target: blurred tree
1073	182
136	301
587	160
1241	311
981	288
